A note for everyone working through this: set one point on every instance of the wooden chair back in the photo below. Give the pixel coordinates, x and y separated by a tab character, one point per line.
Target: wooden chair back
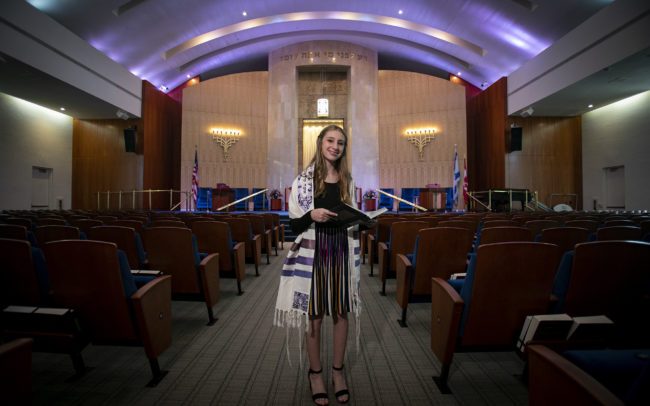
276	223
441	252
536	226
50	222
614	223
275	230
511	280
13	231
468	225
85	275
619	233
565	237
123	237
591	225
170	249
168	223
489	222
241	230
18	280
189	220
607	277
106	219
84	225
27	223
214	236
134	224
493	235
402	240
258	227
384	224
45	234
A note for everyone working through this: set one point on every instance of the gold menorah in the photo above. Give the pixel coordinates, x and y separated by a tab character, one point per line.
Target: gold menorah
225	139
420	138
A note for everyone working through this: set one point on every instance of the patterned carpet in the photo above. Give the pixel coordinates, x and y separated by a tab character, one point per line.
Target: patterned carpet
242	359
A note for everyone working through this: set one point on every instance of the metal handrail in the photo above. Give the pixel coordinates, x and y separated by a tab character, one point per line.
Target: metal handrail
133	194
478	201
402	200
242	199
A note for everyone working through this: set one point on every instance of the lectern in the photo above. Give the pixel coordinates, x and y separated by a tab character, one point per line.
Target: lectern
433	198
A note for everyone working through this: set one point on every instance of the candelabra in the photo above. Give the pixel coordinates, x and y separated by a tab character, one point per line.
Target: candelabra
225	139
420	138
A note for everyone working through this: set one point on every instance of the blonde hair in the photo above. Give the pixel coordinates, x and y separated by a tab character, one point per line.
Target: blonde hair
341	166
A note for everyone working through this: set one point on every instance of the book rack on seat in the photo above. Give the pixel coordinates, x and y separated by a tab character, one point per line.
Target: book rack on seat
57	330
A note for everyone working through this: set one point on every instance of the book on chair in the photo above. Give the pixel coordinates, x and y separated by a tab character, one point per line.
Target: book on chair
590	328
544	327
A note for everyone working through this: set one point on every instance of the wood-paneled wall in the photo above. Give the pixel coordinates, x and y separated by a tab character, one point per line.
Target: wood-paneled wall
101	163
550	160
161	118
486	119
237	101
413	100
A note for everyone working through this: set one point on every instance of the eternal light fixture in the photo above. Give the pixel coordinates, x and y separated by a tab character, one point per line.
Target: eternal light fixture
420	137
322	104
226	138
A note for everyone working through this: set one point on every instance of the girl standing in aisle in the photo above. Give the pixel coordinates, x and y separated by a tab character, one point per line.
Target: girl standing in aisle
321	273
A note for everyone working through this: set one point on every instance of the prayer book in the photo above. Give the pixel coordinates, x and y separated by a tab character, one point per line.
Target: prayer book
544	327
590	328
349	216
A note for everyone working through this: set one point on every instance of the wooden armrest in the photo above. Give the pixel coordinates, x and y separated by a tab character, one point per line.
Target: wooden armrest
16	371
209	270
446	311
404	271
553	378
239	259
152	305
382	257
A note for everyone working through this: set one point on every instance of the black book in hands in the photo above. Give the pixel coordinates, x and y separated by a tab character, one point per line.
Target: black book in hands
347	216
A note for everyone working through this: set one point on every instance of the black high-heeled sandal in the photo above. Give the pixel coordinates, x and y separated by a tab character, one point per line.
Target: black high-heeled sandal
316	396
342	392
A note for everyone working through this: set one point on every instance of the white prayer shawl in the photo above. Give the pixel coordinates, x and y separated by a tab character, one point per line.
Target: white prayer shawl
292	305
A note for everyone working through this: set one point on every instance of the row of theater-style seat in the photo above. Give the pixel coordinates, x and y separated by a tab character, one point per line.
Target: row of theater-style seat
510	276
191	260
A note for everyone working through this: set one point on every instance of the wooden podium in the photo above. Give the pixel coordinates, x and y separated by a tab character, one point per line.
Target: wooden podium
221	196
433	198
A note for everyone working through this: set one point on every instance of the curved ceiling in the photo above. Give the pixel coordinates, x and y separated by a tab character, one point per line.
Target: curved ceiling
167	41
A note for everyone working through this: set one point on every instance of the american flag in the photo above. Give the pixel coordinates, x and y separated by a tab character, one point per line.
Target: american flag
195	178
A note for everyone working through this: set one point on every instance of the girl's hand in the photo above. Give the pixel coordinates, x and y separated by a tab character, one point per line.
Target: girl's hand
322	215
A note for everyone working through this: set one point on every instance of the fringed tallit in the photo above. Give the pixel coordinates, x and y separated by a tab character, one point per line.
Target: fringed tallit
292	304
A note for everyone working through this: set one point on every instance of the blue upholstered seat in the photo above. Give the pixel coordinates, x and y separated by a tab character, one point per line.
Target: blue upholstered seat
240	193
40	268
204	198
625	372
385	201
408	193
261	201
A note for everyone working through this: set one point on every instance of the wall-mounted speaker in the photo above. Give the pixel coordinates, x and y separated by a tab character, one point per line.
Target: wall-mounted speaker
129	138
515	138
